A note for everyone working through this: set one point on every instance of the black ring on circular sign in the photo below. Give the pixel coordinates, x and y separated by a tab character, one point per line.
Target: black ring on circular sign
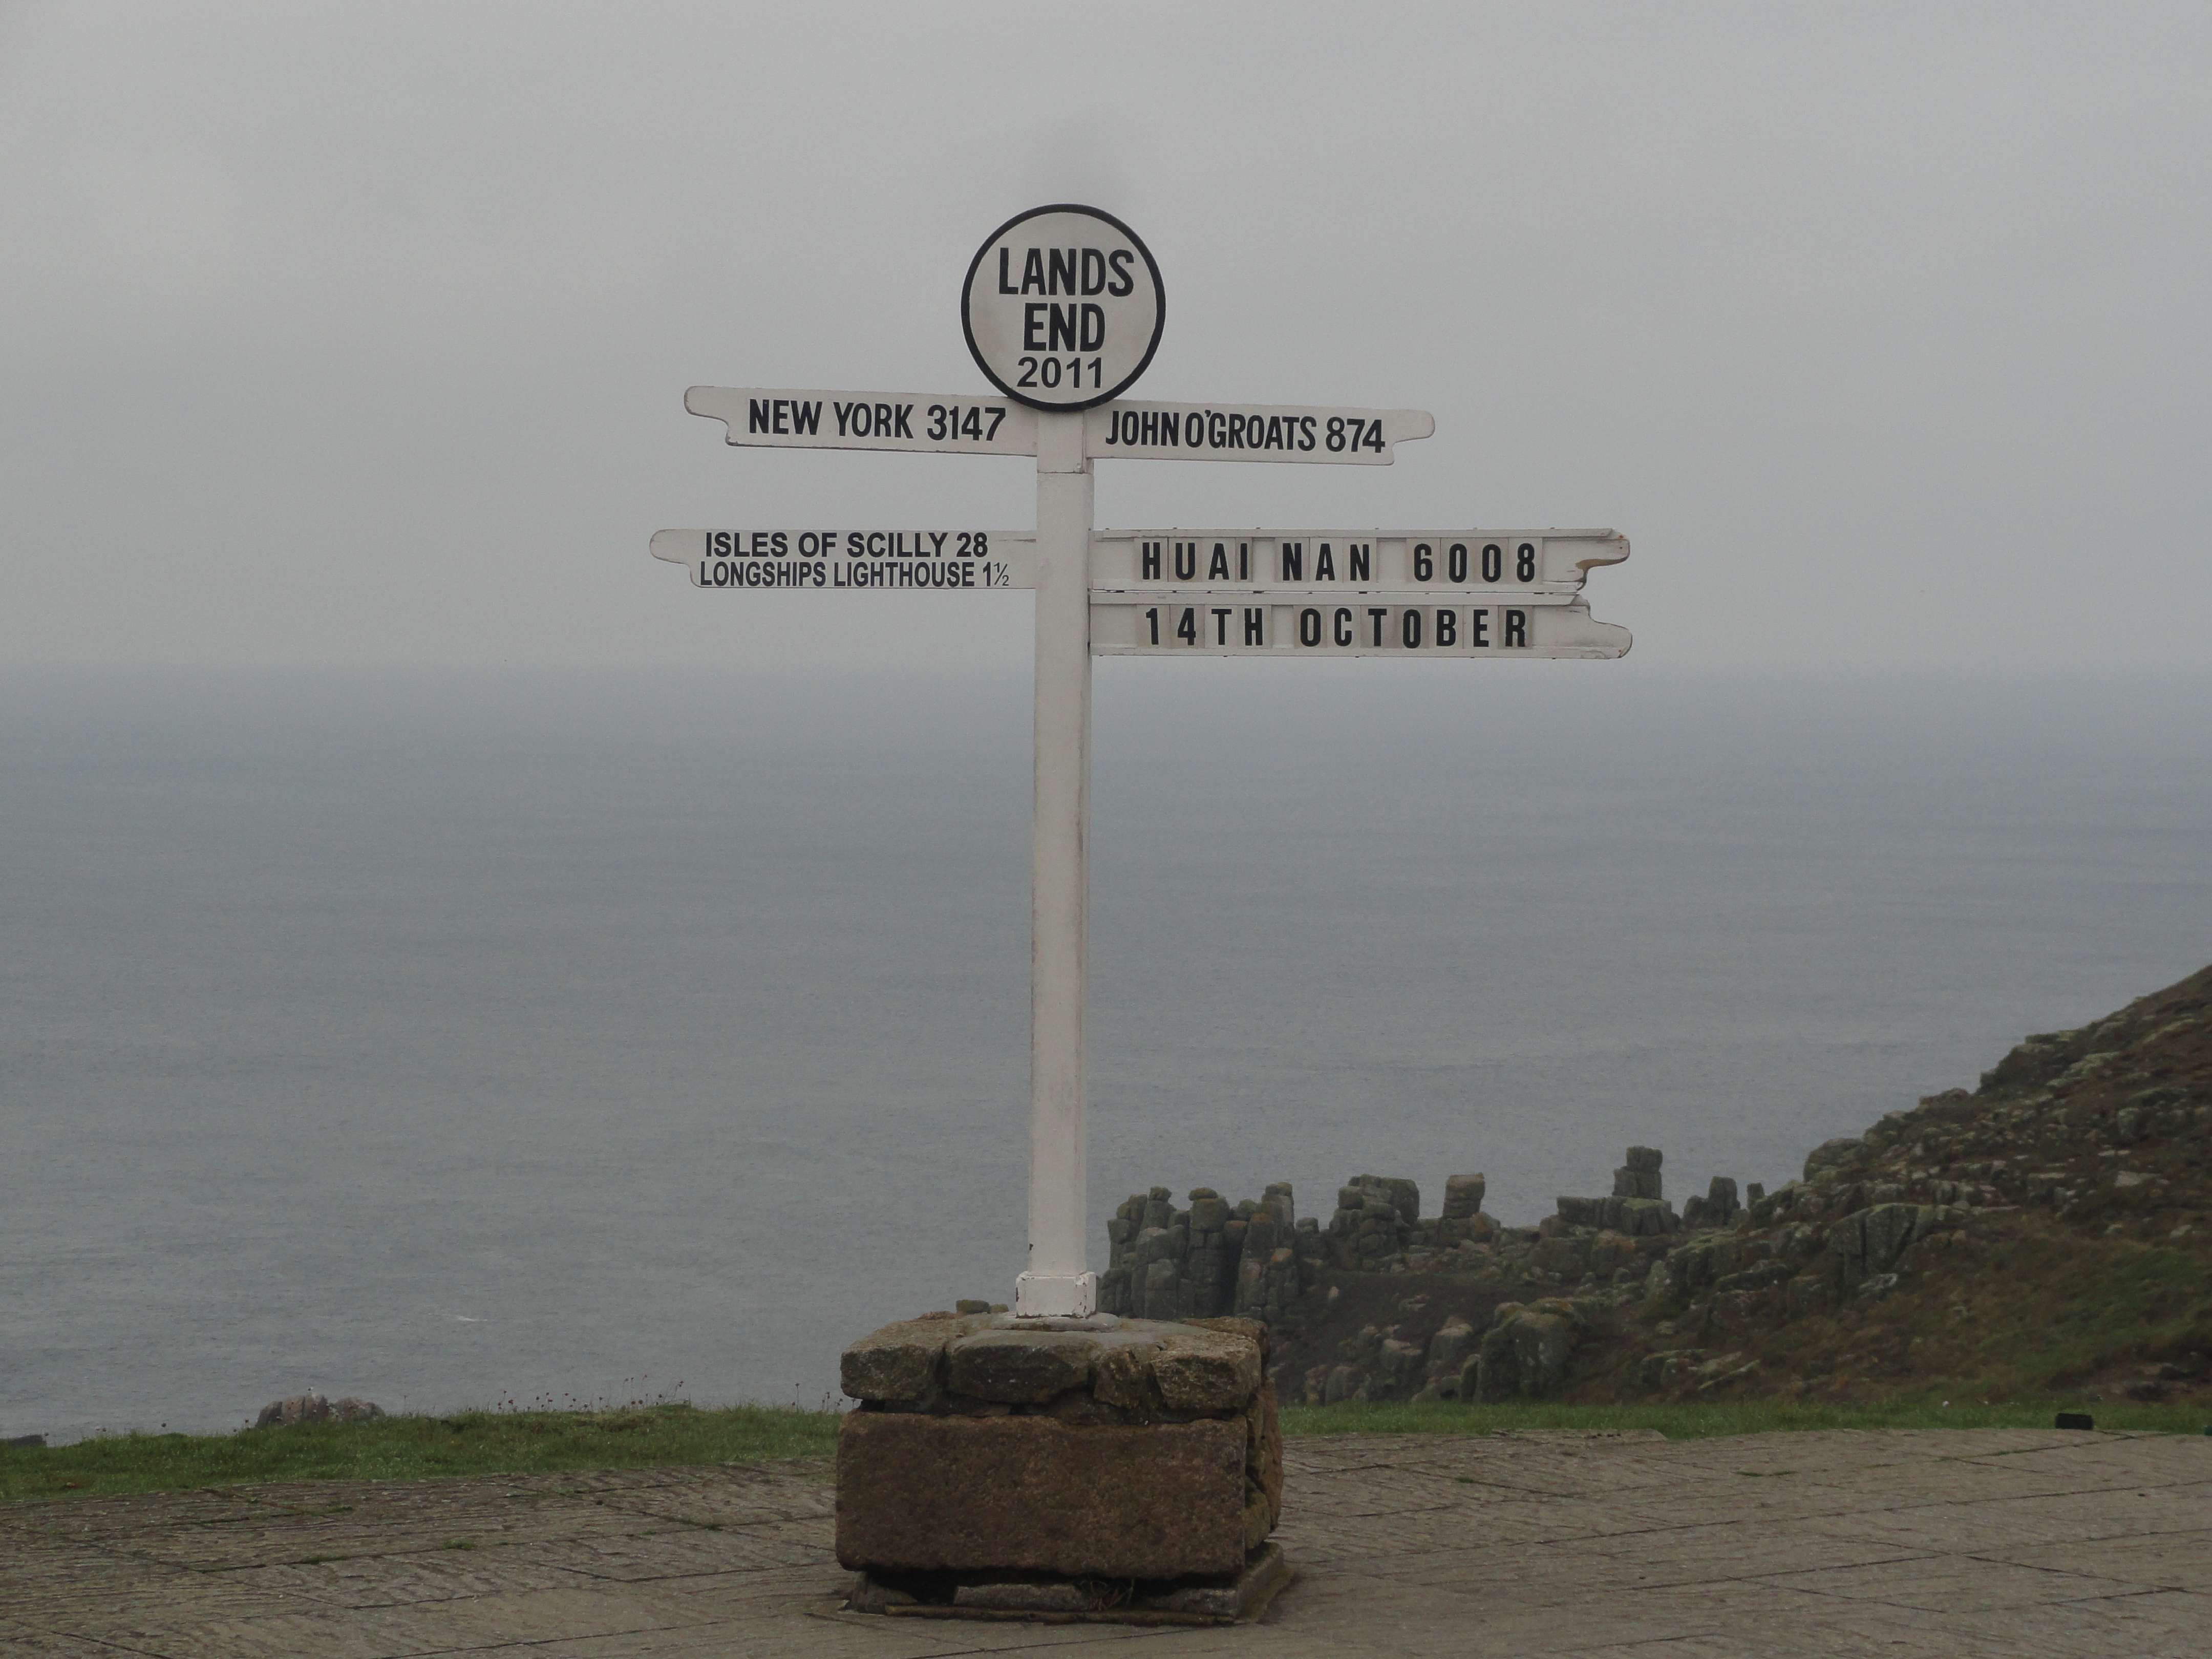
1160	323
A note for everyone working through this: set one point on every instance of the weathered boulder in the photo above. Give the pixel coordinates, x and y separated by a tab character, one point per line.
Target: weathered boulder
1523	1355
312	1408
1027	1494
1637	1183
902	1361
1207	1370
1020	1367
1830	1154
1463	1196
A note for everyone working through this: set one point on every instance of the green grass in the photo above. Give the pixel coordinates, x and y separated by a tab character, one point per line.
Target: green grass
676	1436
410	1447
1700	1422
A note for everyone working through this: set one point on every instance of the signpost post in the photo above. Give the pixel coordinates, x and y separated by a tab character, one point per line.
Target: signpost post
1063	309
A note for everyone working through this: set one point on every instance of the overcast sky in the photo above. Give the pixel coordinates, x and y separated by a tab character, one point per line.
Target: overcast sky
358	334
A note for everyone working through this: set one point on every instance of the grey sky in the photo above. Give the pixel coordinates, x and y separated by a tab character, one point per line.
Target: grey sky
359	334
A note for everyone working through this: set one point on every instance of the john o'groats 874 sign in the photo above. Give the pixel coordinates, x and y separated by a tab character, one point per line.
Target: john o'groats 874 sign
1063	307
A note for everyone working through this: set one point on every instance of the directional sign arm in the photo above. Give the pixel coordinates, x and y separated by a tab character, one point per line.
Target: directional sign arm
780	417
1491	628
1305	432
1529	563
852	561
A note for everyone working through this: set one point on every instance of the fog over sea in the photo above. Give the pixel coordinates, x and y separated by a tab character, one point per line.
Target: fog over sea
447	1038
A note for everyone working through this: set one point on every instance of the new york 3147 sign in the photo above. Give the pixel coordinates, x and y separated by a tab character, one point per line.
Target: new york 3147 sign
1063	307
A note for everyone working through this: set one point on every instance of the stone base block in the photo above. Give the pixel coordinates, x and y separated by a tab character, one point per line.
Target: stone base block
1223	1600
1020	1495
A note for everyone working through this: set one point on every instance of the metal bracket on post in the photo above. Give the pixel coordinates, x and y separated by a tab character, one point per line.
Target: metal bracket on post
1057	1283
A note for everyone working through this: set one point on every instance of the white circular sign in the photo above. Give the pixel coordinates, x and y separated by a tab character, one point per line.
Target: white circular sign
1063	307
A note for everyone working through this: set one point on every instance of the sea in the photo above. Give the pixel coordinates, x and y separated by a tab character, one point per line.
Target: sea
456	1039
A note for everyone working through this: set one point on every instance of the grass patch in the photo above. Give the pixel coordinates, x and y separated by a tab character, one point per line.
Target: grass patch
410	1448
1703	1422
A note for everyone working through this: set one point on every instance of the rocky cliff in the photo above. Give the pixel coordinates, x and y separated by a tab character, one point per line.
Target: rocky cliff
2051	1231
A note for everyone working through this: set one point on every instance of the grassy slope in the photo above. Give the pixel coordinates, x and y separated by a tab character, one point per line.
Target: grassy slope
407	1448
670	1436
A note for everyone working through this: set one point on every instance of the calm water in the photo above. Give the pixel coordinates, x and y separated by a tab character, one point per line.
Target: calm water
443	1039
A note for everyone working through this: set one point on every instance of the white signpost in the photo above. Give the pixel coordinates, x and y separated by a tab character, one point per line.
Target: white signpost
1063	309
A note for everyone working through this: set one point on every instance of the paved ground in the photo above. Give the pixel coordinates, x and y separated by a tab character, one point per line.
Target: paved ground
2001	1542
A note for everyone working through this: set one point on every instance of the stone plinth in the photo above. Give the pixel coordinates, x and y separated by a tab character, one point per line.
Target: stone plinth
1065	1455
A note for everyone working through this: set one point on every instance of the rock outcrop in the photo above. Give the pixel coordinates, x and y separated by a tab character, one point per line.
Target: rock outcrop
2086	1151
312	1407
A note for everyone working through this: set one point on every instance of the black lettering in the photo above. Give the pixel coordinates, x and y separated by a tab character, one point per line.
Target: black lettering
843	412
1342	633
1306	426
1063	274
1378	617
1221	626
782	407
1123	284
883	420
1218	570
1253	614
1236	431
1153	617
902	413
936	543
1447	628
1187	628
780	542
1186	560
1274	433
1516	628
1168	419
1033	321
1360	556
1149	554
1493	562
1094	326
1217	430
1309	627
1409	630
1005	256
1424	561
1063	329
1033	273
806	419
1148	430
756	415
717	542
1478	627
1324	565
1455	563
1294	558
1094	271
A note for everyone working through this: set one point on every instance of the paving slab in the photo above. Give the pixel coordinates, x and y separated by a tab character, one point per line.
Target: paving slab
1999	1542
